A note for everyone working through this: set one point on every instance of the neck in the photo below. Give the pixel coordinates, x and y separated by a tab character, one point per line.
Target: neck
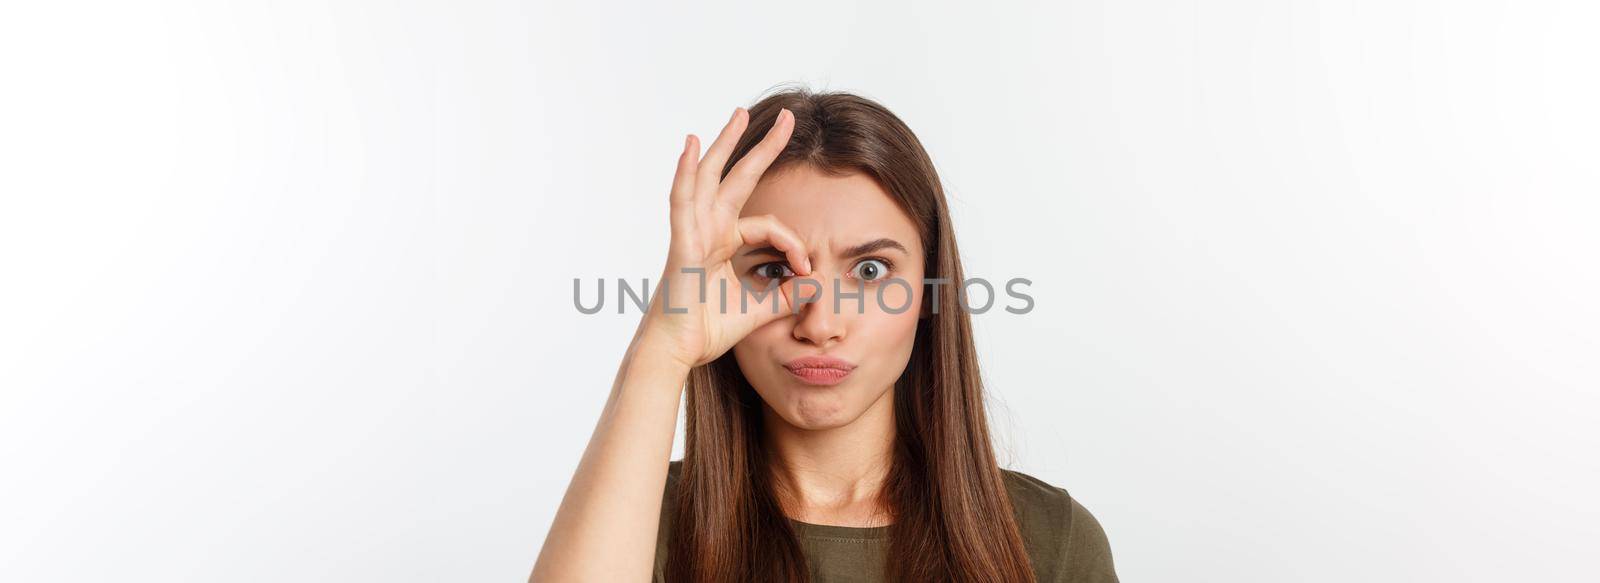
836	475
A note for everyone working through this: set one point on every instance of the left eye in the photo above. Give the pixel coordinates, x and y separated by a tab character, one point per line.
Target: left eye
871	270
773	270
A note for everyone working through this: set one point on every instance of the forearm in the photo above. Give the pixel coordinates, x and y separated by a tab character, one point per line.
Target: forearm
605	529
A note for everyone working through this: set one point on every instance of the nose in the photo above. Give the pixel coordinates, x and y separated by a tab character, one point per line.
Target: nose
822	322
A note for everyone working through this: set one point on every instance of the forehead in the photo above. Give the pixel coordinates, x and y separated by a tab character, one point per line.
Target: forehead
823	209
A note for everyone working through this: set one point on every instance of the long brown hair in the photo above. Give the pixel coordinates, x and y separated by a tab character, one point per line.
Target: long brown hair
952	519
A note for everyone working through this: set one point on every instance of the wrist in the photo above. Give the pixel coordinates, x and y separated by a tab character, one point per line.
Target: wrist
659	354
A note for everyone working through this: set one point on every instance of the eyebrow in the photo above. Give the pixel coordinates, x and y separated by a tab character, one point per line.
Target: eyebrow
862	249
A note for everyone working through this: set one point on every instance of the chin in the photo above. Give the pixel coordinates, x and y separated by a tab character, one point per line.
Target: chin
818	409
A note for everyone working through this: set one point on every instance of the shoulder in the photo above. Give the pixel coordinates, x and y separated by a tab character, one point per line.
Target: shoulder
674	476
668	496
1064	540
664	523
674	470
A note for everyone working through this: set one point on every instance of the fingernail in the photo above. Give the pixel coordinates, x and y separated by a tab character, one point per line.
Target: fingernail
735	114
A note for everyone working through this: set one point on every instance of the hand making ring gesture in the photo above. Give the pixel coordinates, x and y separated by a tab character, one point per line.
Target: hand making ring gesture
706	231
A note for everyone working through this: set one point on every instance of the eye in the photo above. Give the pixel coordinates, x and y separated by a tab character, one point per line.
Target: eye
773	270
871	269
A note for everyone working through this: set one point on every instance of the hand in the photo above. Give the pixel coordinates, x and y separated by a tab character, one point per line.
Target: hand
706	231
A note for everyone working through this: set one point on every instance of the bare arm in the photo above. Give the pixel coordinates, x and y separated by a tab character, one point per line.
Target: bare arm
605	528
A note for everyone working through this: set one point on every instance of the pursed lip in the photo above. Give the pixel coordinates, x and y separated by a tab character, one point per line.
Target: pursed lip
819	370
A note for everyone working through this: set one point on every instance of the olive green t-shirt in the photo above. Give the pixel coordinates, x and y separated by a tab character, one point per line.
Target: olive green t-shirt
1063	540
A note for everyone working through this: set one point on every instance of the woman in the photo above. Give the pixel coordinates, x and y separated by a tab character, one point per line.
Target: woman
835	431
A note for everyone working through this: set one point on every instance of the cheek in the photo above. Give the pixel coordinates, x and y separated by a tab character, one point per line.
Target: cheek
754	352
890	335
766	337
894	297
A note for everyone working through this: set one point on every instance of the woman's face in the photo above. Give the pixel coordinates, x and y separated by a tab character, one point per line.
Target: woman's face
858	240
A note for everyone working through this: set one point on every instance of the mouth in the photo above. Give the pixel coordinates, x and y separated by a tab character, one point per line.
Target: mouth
819	370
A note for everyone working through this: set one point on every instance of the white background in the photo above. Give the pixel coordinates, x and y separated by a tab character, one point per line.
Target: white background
285	288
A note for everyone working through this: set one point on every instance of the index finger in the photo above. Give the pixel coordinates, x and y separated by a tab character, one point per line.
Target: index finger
741	180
